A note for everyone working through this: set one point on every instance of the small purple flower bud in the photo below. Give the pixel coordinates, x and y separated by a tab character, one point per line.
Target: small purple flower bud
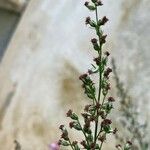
71	124
83	143
103	20
65	135
111	99
118	146
83	76
61	127
86	108
97	60
90	72
115	131
129	142
88	20
74	143
99	3
103	39
106	122
102	138
86	3
94	41
107	53
54	146
69	113
92	146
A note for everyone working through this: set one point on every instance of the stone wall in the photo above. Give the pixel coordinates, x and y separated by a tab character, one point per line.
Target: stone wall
14	5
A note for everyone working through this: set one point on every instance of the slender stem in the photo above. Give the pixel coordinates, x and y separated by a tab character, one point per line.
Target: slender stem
84	133
99	133
101	145
100	79
71	144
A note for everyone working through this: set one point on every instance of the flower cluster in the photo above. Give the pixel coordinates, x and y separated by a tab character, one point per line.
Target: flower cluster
96	113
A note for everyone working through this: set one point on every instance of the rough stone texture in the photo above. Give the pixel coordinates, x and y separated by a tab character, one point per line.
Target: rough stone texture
39	72
14	5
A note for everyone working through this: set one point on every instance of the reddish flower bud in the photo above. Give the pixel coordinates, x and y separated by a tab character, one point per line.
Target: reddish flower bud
111	99
92	118
103	39
102	138
85	115
115	131
74	143
83	76
94	41
59	142
99	3
86	3
97	60
129	142
61	127
98	105
71	125
69	113
90	71
86	108
109	70
102	114
106	122
92	146
64	136
83	143
107	53
104	20
88	20
118	146
108	87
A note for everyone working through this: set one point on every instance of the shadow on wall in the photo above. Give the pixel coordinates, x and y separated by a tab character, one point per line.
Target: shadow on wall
8	22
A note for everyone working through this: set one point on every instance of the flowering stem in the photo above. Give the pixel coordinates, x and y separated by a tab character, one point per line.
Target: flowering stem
94	138
100	77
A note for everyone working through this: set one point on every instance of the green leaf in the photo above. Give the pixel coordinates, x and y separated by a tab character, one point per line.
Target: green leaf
90	7
74	116
65	143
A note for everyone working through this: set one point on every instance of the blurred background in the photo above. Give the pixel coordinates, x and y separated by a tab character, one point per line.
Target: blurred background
45	46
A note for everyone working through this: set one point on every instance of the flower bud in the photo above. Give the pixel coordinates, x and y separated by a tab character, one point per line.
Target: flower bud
111	99
103	39
99	3
83	143
88	20
83	76
94	41
102	138
115	131
61	127
107	53
69	113
71	124
97	60
86	3
102	21
74	143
